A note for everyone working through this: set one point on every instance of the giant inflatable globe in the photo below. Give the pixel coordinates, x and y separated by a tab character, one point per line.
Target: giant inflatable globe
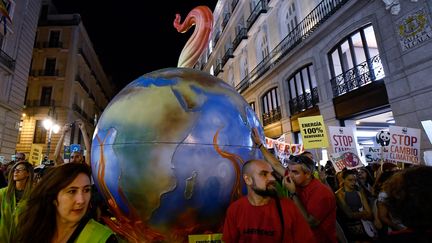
167	154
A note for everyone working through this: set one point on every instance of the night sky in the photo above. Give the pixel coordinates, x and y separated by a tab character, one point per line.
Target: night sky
128	35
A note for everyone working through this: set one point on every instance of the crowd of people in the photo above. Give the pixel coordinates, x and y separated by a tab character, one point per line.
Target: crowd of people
296	203
51	207
377	203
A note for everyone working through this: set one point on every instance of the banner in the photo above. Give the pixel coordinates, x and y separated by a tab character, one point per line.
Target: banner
375	154
346	159
343	139
35	157
404	144
283	150
207	238
313	132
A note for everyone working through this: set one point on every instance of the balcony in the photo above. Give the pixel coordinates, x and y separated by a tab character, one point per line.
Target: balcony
44	72
225	20
37	103
300	33
216	38
241	35
50	44
218	68
82	83
304	101
228	55
234	5
358	76
260	8
272	116
78	109
6	60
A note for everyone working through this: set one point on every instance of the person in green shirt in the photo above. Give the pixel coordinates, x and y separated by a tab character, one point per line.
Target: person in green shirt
13	198
58	211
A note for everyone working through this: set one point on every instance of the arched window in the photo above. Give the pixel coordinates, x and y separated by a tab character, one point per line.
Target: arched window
270	107
303	91
355	61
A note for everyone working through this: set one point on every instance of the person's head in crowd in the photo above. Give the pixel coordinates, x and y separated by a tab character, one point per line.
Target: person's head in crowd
364	176
62	196
379	181
21	172
307	154
389	167
76	157
349	180
410	195
301	169
20	157
259	179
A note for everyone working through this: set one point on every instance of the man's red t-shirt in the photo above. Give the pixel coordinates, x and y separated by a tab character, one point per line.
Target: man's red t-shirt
247	223
319	201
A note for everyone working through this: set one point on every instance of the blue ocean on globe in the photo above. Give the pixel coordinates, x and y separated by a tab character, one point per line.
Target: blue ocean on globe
167	154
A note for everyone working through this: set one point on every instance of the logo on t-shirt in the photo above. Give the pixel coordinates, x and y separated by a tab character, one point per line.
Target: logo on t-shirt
252	231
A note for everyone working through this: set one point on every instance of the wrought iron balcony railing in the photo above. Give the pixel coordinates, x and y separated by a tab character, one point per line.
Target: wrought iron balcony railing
228	55
260	8
302	31
218	68
358	76
272	116
241	35
304	101
234	5
225	20
36	103
44	72
49	44
6	60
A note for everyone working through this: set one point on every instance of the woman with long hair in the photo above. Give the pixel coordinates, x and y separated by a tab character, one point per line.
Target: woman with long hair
13	198
59	205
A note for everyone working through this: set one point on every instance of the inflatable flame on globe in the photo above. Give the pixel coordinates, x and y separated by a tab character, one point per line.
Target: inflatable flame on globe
167	151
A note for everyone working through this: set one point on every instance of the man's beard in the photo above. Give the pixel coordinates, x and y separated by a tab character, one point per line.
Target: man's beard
268	192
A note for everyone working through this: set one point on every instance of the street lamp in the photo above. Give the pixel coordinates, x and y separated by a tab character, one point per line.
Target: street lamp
51	127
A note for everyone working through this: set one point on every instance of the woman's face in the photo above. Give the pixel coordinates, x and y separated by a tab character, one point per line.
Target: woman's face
73	200
362	175
349	182
20	173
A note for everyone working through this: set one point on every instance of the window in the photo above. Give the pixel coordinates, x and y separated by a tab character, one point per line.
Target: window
54	38
270	107
50	65
264	47
252	105
303	90
39	133
45	99
355	61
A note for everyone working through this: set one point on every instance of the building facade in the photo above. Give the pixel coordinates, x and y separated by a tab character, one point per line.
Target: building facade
16	45
66	83
356	63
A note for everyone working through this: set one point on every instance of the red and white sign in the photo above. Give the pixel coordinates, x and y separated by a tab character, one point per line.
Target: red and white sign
346	159
404	144
343	139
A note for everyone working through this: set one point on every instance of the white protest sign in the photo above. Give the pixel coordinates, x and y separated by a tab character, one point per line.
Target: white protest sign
404	144
342	139
427	125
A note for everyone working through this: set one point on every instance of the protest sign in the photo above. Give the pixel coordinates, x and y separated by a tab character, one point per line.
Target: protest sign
347	159
313	132
35	157
404	144
343	139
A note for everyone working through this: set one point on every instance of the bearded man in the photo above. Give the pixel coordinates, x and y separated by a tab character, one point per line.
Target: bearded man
261	216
